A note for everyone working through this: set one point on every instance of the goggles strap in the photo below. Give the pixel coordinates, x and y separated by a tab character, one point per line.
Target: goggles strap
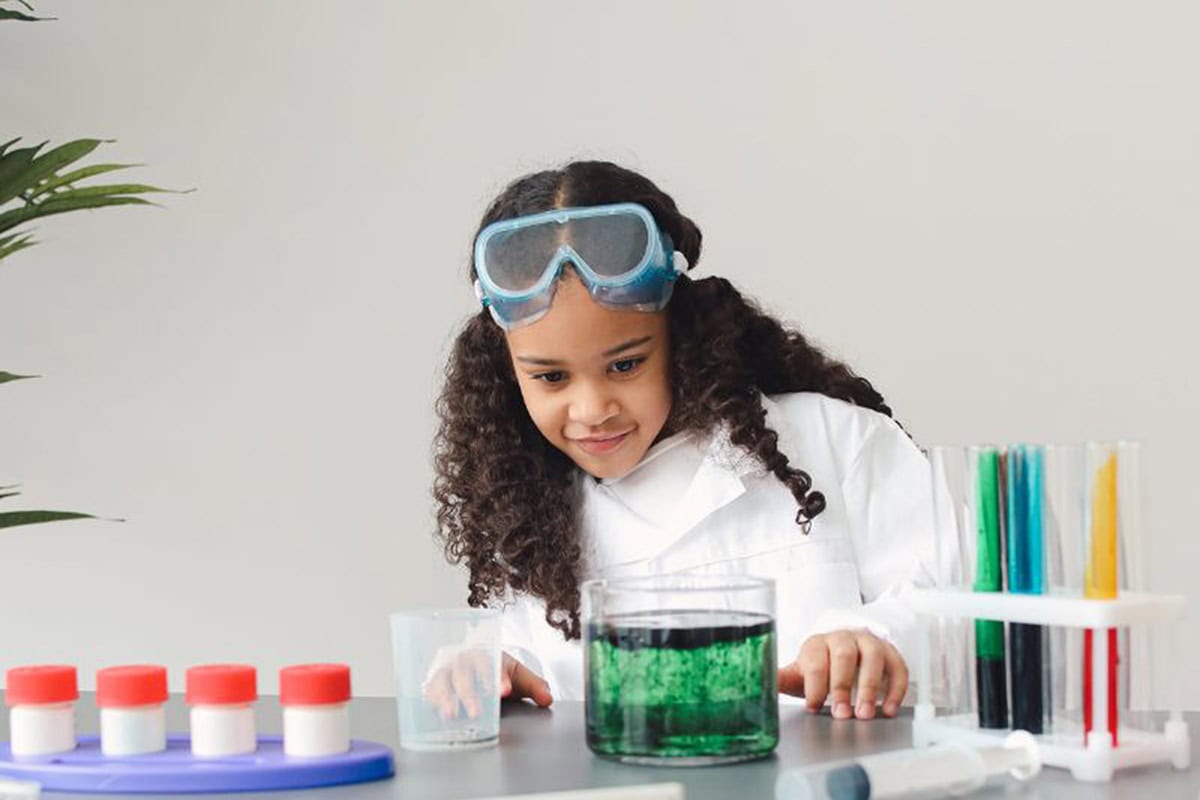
678	260
479	295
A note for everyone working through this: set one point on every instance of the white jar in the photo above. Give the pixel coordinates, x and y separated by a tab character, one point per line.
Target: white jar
132	719
222	699
42	699
316	714
320	730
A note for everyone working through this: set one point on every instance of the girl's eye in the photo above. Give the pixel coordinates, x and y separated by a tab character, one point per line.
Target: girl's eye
627	364
557	376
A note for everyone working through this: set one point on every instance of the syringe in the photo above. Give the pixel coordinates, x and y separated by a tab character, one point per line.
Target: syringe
937	771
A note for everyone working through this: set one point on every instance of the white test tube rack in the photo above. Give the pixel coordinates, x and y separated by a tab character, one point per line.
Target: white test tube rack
1062	745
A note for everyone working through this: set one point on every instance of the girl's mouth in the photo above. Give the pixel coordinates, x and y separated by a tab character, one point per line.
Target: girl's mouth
602	445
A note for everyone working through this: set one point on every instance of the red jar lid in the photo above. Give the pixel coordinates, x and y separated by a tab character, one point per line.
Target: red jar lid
314	684
221	684
129	686
45	683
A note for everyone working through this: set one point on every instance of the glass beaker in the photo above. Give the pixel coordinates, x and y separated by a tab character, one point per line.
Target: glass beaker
680	669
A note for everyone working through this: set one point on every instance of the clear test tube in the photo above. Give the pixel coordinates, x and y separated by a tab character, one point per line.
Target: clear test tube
1100	582
1065	522
986	512
1025	543
947	680
938	771
1135	656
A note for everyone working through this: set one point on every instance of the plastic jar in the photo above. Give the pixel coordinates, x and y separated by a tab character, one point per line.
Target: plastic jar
222	699
132	719
42	698
316	717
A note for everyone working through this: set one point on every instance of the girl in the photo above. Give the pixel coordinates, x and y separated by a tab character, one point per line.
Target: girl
605	415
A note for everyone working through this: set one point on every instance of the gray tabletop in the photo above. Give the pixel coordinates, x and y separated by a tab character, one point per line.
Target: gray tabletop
543	750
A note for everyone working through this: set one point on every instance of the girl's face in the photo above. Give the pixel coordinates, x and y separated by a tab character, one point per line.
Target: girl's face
595	380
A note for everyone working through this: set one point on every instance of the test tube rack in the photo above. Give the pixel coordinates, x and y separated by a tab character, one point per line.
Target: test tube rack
176	771
1062	745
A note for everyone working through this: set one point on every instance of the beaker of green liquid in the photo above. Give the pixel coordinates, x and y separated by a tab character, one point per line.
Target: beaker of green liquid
680	670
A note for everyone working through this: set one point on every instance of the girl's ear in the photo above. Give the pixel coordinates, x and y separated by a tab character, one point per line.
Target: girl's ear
680	262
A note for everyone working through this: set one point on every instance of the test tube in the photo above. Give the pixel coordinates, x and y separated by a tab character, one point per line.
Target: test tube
987	482
944	769
1026	575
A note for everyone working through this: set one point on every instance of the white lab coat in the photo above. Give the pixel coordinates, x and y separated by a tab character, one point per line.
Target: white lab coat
702	504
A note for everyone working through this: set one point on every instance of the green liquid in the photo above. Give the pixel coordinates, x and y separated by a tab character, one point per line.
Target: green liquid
682	687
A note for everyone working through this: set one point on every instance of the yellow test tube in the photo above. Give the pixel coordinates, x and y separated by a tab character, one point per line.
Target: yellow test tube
1100	575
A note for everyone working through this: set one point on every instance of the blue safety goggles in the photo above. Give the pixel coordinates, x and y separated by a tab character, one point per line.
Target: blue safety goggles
617	251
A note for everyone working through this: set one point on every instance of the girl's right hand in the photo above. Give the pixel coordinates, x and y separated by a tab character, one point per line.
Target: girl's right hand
518	681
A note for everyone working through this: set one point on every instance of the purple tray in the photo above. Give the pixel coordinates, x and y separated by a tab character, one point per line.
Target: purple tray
177	771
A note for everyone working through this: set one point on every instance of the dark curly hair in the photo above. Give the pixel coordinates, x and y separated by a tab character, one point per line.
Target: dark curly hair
508	500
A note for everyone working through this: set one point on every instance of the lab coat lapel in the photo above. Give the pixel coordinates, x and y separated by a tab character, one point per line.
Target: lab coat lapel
722	476
716	484
619	535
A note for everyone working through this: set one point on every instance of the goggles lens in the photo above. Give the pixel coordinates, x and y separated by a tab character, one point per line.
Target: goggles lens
516	259
617	251
611	246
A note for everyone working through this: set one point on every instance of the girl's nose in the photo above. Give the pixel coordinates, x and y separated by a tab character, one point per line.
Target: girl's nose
592	406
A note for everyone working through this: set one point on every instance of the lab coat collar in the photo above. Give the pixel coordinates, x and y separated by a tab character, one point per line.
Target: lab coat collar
624	538
728	456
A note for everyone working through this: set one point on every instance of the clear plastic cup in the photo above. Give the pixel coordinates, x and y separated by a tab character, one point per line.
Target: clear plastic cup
447	665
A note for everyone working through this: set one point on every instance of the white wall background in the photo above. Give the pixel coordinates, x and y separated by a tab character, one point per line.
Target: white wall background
990	209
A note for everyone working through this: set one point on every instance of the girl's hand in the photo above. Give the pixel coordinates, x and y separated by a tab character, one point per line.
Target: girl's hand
518	681
458	685
827	665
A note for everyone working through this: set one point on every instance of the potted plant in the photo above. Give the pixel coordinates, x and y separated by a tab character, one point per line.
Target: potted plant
34	183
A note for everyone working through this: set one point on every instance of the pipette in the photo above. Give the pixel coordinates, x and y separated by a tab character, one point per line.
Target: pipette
944	769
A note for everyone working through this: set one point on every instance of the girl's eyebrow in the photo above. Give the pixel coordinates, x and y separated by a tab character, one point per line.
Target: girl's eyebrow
621	348
632	343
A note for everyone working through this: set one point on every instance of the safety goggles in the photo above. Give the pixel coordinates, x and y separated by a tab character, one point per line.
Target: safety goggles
617	251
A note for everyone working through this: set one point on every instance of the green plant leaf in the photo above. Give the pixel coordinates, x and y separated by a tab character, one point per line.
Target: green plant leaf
106	190
8	494
17	216
5	377
21	17
68	202
12	163
11	519
33	180
19	242
77	175
43	166
26	5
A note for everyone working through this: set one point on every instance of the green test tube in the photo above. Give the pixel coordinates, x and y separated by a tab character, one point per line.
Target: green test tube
989	634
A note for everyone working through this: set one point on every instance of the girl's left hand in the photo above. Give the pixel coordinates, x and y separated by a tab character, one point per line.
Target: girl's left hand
828	663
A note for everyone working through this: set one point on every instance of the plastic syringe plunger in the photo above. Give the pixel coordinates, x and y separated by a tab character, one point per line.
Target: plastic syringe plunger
945	769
